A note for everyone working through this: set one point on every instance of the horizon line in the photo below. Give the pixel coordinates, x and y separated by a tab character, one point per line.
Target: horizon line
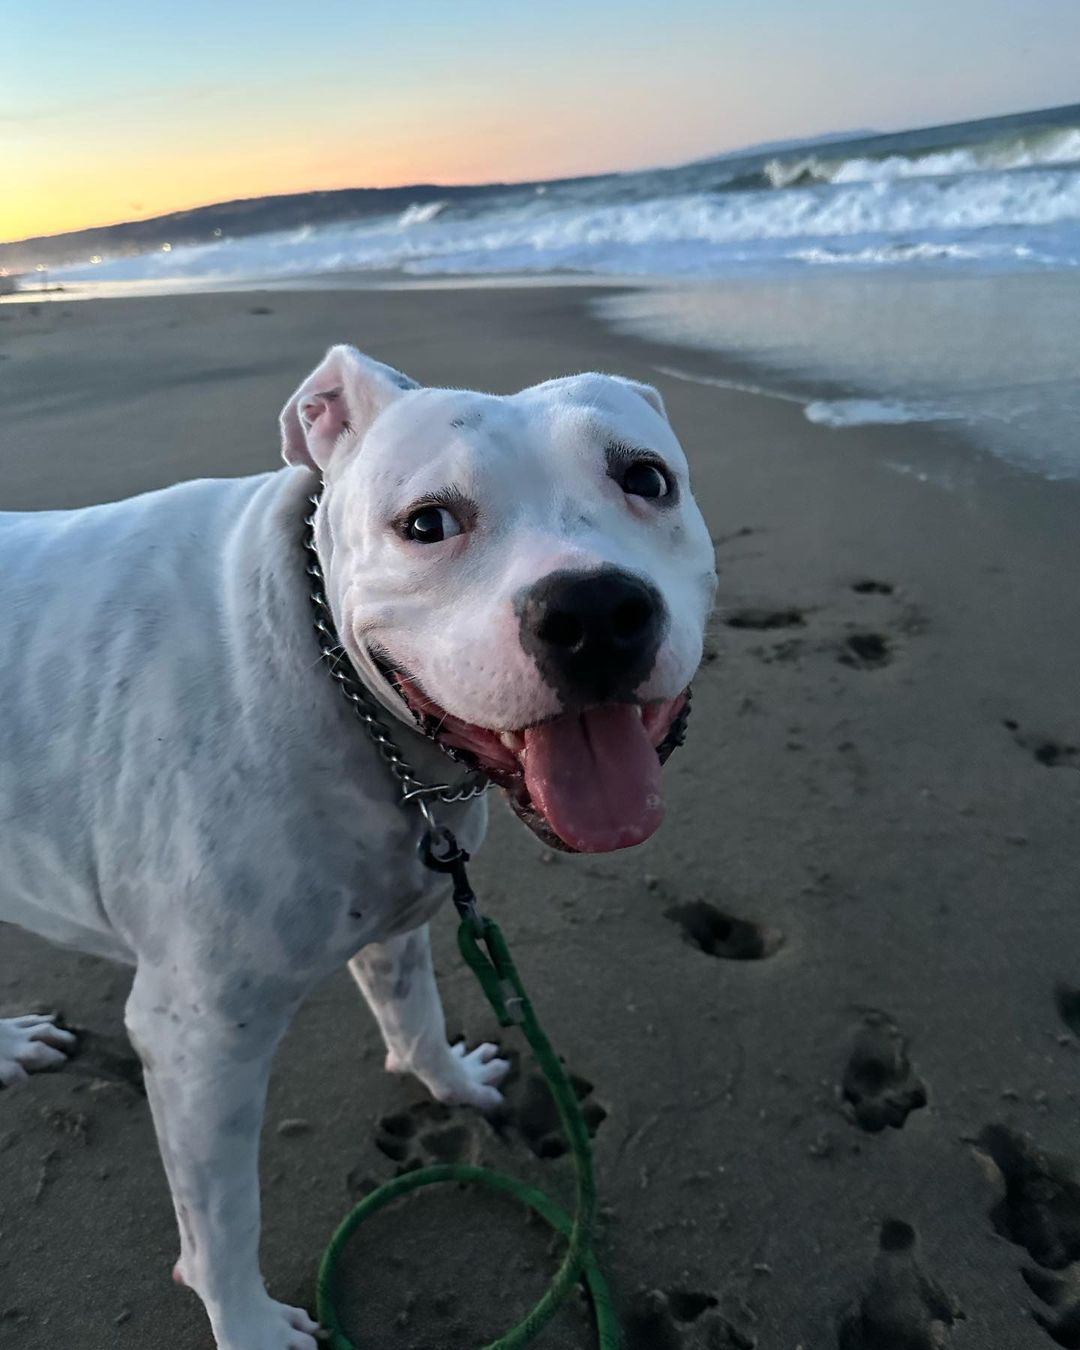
837	139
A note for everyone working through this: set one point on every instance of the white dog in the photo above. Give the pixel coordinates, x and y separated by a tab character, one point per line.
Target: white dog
521	580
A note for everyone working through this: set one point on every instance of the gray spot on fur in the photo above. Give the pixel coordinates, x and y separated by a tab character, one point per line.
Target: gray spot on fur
244	890
304	925
251	996
389	972
413	957
245	1120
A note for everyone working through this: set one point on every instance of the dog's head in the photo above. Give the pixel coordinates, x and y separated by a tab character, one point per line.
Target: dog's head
526	576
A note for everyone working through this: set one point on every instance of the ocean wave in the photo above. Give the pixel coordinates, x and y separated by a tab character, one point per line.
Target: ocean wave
994	218
892	252
419	213
1042	149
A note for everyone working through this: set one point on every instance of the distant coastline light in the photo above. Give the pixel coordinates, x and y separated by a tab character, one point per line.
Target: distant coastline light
166	248
96	258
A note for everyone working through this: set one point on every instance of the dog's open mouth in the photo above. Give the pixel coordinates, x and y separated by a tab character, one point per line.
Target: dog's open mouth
587	781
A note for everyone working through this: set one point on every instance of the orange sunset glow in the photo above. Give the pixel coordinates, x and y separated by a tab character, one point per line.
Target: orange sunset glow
93	152
76	190
105	122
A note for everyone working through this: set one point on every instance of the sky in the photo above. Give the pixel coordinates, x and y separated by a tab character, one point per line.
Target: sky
115	109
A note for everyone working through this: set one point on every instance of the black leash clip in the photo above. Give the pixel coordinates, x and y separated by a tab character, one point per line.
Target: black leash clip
440	850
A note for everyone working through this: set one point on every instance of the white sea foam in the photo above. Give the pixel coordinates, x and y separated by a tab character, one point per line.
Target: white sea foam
899	251
990	352
1045	148
1031	217
837	412
861	412
419	213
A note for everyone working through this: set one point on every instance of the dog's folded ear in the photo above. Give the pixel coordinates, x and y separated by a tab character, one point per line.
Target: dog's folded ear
336	405
648	393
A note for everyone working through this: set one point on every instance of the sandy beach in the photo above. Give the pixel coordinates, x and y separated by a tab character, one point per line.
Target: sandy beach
827	1023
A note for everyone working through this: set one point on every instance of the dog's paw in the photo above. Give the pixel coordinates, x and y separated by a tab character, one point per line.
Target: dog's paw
469	1077
461	1077
31	1044
269	1326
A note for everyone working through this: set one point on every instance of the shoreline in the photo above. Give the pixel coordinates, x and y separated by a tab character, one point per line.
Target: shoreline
726	346
879	783
355	280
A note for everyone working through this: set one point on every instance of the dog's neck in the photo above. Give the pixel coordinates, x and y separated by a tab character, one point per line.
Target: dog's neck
367	687
268	620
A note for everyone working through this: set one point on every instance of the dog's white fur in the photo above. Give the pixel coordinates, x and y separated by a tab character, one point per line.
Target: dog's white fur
183	788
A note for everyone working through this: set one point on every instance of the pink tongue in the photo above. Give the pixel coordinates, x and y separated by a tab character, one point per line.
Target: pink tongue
595	777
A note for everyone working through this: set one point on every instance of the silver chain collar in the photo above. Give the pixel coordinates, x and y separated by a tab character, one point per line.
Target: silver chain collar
366	706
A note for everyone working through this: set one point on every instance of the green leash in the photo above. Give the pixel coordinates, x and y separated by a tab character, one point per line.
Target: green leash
503	989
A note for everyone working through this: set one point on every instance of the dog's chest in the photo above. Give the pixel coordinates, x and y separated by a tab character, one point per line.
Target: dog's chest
319	902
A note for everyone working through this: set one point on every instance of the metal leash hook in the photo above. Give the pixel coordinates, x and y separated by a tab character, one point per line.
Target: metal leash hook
440	850
479	940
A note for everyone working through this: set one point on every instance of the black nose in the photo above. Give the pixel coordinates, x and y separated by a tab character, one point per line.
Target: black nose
593	635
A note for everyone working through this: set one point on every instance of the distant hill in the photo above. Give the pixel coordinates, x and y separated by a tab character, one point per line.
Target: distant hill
782	147
203	224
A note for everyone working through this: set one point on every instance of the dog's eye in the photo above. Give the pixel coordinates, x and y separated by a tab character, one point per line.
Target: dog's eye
643	478
431	525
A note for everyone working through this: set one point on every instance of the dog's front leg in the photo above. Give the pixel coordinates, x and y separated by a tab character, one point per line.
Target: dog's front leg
206	1078
398	980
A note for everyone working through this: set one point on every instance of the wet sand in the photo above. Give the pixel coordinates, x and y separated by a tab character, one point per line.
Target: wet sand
795	1013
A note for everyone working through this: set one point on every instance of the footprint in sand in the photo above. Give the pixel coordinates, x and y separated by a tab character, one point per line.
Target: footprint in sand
763	619
1040	1211
721	935
766	619
1048	750
901	1307
866	651
880	1086
860	649
1067	998
428	1129
530	1111
683	1319
873	648
1061	1294
429	1132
